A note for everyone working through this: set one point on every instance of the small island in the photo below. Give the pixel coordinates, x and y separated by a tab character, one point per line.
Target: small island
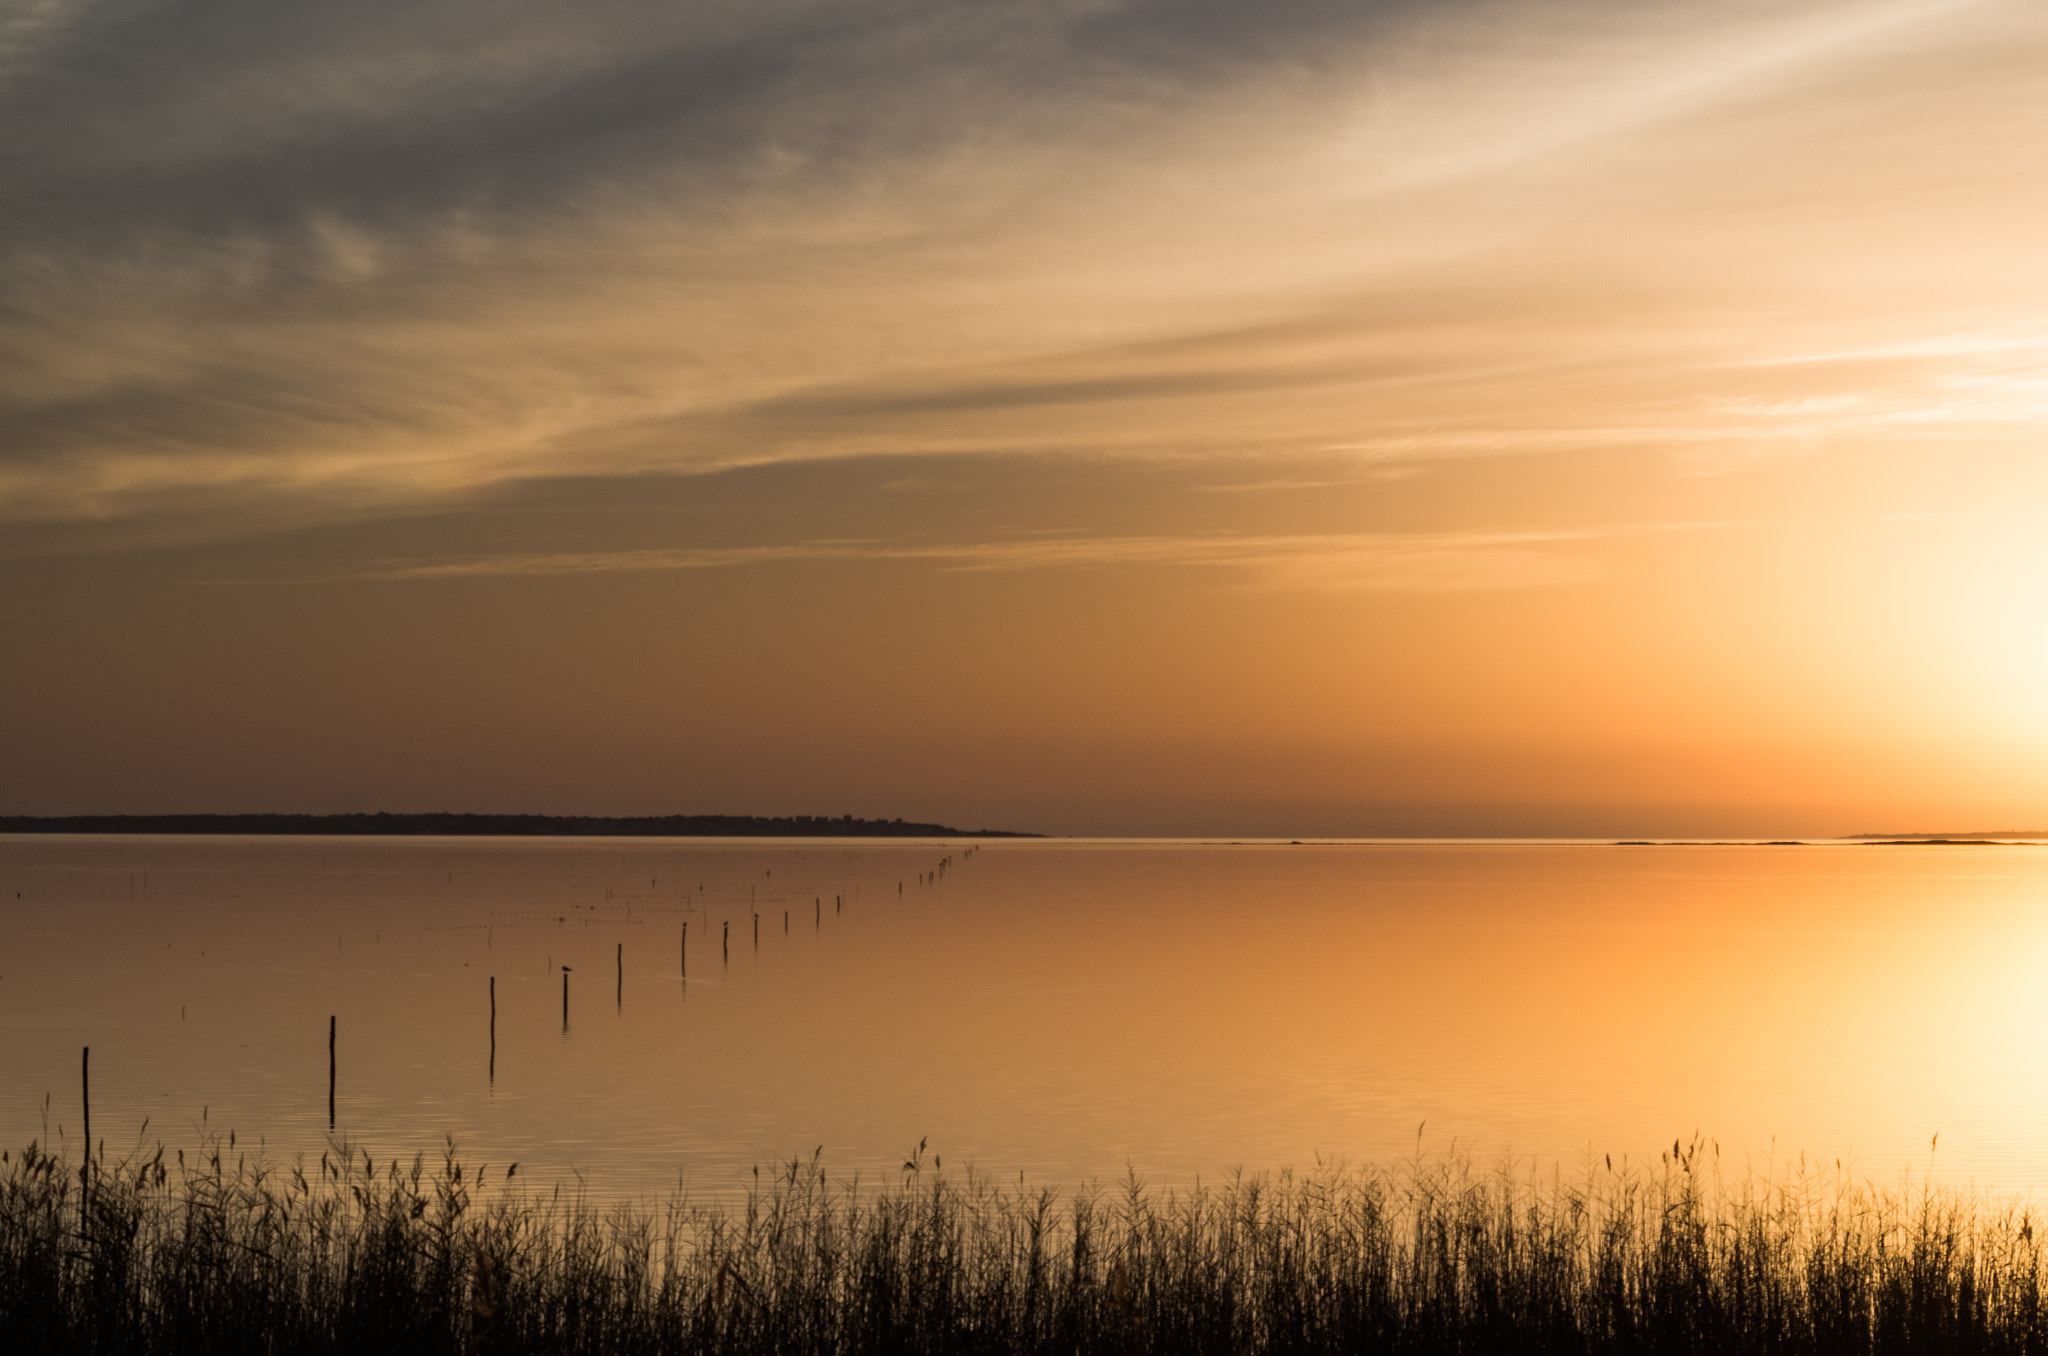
444	825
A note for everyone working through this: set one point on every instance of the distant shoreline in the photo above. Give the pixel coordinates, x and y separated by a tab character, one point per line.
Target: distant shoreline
500	826
1857	839
1951	836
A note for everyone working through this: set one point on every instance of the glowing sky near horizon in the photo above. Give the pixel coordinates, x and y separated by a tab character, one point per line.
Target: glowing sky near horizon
1175	417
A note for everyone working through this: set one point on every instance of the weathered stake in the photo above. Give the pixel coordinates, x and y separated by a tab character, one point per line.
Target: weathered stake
494	1029
85	1094
622	975
330	1071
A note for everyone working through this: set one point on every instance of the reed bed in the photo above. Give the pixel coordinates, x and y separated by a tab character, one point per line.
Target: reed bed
220	1253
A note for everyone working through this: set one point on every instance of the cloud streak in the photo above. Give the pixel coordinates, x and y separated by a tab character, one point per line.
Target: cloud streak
1378	562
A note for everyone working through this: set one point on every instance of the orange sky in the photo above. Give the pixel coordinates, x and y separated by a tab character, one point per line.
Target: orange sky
1585	418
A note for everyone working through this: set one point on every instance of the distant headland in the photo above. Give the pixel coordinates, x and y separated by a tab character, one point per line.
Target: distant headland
503	826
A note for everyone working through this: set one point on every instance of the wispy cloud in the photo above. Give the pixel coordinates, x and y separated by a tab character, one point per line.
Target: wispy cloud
30	27
1269	486
390	252
1396	562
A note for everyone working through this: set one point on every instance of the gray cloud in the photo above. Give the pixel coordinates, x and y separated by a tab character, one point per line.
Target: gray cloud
224	111
366	252
218	211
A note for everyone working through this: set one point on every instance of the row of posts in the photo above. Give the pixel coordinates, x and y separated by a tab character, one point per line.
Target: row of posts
818	920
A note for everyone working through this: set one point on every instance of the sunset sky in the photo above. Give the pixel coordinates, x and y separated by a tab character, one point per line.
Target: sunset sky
1176	417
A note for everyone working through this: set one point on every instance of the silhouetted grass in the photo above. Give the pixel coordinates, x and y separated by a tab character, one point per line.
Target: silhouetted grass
223	1255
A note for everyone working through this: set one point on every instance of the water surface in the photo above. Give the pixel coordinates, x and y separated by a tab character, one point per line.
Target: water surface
1064	1010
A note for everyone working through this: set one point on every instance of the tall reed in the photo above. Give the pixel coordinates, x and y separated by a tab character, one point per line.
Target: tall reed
223	1254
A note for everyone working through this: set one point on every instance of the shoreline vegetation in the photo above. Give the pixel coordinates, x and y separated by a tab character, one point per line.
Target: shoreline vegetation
222	1253
500	826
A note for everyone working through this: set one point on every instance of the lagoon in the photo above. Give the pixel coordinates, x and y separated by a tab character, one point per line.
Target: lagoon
1063	1011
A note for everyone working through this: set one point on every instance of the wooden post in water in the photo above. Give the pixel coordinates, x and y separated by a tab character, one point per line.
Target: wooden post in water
622	977
785	922
330	1071
494	1029
85	1094
725	943
565	1000
757	930
818	912
686	948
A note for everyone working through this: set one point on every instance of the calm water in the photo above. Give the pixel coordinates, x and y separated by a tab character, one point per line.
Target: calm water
1057	1009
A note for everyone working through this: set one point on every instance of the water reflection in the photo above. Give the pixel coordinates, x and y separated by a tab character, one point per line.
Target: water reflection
1060	1009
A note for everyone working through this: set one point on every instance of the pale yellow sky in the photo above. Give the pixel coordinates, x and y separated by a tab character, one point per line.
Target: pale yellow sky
1173	417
